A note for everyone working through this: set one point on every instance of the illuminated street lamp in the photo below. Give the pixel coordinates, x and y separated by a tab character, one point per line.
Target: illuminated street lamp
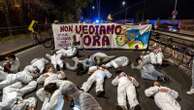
93	7
175	12
124	5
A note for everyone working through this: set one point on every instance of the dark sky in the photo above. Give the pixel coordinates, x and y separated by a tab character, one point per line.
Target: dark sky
149	9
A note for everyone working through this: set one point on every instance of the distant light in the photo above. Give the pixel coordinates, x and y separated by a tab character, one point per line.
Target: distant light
93	7
97	21
123	3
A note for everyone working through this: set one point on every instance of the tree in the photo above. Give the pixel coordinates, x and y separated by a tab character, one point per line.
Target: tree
64	10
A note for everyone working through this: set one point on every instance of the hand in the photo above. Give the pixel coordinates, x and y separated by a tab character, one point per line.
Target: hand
46	75
163	90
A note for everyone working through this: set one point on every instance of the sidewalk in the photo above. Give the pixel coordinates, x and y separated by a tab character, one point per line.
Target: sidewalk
11	44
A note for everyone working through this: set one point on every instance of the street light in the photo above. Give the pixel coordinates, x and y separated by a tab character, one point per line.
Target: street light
124	5
93	7
175	12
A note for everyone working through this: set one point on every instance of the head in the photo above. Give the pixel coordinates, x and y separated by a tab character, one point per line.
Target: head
51	88
70	89
10	57
118	71
139	60
49	68
156	83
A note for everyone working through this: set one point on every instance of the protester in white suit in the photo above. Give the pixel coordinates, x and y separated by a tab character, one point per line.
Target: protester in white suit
148	71
99	74
12	64
51	100
121	61
164	97
69	52
28	74
13	97
99	58
56	60
125	89
81	100
155	57
39	63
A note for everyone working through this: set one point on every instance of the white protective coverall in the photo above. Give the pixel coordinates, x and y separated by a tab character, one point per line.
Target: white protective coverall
156	58
39	63
100	58
126	88
164	100
56	60
70	52
118	62
51	102
98	76
84	100
12	96
49	77
24	76
15	65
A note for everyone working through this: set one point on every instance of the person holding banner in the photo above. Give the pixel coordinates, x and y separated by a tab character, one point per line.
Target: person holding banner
98	75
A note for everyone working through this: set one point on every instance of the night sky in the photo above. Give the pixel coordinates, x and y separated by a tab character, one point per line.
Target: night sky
148	9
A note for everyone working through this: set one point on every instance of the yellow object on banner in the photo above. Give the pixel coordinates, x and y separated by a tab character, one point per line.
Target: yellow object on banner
30	27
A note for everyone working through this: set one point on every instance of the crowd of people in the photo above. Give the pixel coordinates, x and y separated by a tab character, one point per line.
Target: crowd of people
47	74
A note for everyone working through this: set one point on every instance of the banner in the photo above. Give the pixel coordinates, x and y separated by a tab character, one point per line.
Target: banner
109	35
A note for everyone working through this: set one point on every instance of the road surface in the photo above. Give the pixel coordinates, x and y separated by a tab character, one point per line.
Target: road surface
179	80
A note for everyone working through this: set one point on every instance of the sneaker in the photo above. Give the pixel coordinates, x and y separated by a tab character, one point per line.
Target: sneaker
190	92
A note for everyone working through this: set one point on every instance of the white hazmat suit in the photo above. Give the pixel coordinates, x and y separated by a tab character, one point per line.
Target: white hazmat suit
118	62
98	76
12	96
126	88
164	100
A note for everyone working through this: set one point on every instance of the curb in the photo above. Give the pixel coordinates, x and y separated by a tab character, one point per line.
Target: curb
16	50
19	49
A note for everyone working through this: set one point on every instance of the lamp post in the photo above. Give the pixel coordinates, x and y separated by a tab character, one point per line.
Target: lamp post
175	12
124	5
7	17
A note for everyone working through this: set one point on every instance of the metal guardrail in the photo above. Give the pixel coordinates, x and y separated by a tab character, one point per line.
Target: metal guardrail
180	49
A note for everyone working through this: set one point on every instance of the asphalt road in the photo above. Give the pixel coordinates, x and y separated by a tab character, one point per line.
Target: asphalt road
179	81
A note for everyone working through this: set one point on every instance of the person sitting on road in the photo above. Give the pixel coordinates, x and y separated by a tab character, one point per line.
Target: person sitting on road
121	61
155	57
11	64
98	75
164	97
12	98
148	71
126	89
